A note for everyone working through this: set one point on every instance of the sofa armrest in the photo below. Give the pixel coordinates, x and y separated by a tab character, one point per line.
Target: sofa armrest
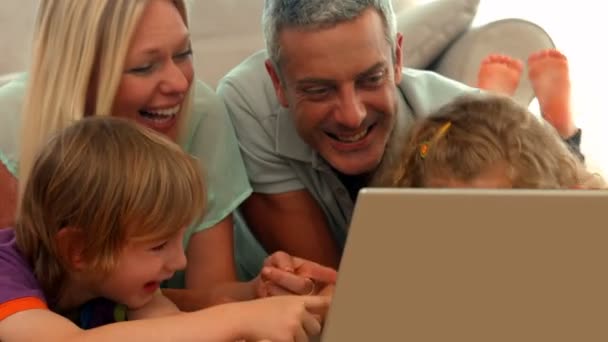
514	37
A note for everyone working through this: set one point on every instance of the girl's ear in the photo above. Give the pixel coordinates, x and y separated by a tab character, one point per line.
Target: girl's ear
70	245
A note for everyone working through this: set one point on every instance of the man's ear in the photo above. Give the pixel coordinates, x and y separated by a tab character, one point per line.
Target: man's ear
71	245
398	65
276	82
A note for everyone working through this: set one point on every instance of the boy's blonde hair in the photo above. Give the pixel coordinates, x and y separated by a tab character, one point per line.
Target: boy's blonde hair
113	180
474	132
79	51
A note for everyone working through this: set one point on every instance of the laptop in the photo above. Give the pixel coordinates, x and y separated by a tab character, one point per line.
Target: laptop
473	265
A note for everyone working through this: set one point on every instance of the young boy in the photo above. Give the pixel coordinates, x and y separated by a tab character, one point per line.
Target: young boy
100	226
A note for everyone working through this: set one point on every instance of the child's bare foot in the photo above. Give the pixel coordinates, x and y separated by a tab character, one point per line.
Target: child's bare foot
549	74
499	73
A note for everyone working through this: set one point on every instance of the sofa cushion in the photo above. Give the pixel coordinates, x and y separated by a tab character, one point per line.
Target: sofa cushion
430	27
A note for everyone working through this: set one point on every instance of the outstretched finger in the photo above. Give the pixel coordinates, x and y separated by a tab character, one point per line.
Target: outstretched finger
300	335
312	325
317	305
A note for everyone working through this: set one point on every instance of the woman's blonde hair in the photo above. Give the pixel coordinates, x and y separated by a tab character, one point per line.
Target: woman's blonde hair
474	132
113	180
79	51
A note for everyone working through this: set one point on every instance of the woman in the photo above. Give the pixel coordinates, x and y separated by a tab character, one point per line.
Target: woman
132	58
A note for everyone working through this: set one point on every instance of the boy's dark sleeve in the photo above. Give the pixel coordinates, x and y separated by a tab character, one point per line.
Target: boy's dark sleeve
574	144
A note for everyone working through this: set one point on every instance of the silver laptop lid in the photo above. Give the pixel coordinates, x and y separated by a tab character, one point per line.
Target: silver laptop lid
473	265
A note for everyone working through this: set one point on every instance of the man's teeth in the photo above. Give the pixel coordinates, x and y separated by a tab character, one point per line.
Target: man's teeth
353	138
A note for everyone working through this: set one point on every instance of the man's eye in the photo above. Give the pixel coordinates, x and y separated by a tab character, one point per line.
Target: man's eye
373	79
316	91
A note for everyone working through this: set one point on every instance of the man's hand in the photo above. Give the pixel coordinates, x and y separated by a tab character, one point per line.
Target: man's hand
283	274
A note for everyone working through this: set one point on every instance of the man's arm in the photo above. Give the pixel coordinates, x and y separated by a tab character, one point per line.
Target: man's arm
294	223
281	213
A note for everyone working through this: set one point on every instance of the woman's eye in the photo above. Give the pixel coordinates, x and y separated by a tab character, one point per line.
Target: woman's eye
184	55
141	70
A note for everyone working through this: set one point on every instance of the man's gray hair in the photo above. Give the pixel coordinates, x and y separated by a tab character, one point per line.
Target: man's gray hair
315	14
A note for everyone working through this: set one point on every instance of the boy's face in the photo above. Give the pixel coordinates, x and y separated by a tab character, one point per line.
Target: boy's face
495	177
140	269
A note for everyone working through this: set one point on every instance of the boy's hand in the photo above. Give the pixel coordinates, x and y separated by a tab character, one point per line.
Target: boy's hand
283	318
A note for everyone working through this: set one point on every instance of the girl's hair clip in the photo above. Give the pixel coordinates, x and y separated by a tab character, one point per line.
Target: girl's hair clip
424	149
425	146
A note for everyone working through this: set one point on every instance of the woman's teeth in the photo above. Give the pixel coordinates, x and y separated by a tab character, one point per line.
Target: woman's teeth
161	114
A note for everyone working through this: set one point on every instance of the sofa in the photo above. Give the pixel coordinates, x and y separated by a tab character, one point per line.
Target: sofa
438	35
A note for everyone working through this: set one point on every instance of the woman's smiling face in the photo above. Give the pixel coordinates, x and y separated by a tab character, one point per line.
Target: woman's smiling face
158	70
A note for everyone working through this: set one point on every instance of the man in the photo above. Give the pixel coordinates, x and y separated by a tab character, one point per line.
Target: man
333	104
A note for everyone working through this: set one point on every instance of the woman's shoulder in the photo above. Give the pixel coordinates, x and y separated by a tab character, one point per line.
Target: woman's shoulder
13	86
206	101
208	117
11	96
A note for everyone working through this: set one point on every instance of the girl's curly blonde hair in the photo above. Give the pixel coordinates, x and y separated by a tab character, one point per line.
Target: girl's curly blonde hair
480	131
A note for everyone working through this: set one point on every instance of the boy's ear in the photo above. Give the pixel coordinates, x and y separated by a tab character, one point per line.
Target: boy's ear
71	245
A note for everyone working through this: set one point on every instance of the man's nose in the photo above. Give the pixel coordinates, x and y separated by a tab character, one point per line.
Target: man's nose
351	111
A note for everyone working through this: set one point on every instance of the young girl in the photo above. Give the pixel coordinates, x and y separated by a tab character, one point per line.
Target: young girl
100	226
486	141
